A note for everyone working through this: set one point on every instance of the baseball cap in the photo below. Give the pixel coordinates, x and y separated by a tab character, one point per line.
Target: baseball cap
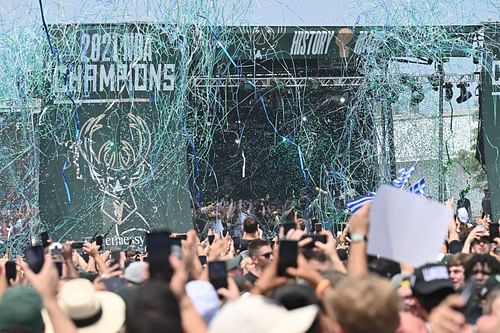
462	215
430	278
233	263
204	297
20	308
253	313
136	272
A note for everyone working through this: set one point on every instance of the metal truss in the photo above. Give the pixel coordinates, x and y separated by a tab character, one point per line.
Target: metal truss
332	81
273	81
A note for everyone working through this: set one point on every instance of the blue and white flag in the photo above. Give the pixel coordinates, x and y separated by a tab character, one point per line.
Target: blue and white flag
400	182
418	187
404	176
355	205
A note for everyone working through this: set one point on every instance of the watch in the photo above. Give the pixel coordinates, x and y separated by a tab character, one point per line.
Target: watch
358	237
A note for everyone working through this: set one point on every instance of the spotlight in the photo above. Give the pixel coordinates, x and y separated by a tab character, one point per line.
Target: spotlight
464	93
237	141
448	91
304	118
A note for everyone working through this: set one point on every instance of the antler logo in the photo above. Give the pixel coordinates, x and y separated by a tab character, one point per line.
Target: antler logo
262	40
116	156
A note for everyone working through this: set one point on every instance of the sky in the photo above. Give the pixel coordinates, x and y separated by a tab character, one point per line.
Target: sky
18	13
24	15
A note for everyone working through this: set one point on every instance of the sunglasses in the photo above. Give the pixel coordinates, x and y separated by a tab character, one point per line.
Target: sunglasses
266	255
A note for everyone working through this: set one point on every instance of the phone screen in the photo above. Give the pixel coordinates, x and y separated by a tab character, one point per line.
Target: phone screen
287	256
115	256
181	236
10	271
319	238
217	274
98	241
45	238
77	245
159	250
35	258
59	266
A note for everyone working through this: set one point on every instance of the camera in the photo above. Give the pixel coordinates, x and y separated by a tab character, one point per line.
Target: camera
55	249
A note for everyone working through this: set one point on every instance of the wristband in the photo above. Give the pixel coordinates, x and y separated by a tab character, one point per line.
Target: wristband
358	237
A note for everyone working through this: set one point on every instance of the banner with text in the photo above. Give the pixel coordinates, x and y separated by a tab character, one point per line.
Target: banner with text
103	171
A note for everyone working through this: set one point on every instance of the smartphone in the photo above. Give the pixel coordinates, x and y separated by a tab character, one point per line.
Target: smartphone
45	239
494	232
288	226
159	248
318	227
98	241
468	310
10	271
287	256
114	284
59	266
35	258
116	256
77	245
203	260
55	249
176	242
217	274
211	239
180	236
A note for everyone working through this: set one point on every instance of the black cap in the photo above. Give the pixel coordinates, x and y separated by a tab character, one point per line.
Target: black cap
454	247
430	278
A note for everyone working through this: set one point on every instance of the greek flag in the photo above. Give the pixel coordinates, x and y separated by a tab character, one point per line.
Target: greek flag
418	187
404	176
355	205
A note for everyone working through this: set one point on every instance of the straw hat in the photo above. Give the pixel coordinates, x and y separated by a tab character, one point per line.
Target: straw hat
92	311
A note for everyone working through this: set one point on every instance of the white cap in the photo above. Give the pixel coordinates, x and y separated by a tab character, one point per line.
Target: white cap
253	314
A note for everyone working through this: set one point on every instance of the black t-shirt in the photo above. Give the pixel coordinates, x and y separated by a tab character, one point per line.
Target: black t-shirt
244	244
465	203
486	205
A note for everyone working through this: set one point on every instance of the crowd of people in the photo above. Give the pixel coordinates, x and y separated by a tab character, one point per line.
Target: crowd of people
229	214
323	283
